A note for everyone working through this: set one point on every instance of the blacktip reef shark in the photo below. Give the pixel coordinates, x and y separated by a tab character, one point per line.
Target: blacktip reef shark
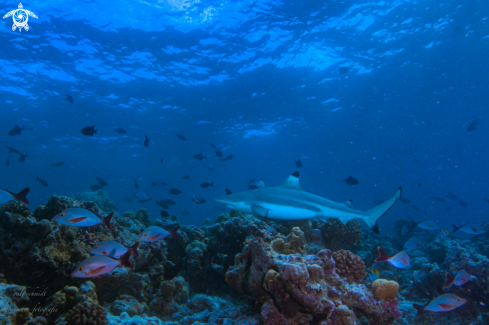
290	202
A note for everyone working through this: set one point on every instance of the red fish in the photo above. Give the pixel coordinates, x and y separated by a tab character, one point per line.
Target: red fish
400	260
7	196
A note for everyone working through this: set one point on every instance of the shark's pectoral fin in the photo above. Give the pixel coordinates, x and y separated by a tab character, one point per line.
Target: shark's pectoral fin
260	211
349	204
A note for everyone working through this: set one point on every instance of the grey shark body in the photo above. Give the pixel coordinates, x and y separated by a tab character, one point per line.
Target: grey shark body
290	202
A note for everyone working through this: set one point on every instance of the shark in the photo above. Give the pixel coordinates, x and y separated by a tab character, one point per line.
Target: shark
290	202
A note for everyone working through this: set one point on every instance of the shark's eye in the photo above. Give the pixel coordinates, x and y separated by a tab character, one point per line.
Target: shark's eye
80	268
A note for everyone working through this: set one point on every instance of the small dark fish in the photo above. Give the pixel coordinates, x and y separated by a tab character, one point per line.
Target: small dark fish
158	183
16	130
120	131
199	157
8	162
351	181
96	187
181	137
218	153
472	125
439	199
213	146
404	200
162	204
198	200
186	177
146	141
451	196
228	191
136	185
164	214
343	70
206	184
22	157
57	164
175	191
69	98
463	203
145	200
10	150
89	130
253	187
415	207
169	202
42	181
185	213
101	181
228	157
420	184
298	163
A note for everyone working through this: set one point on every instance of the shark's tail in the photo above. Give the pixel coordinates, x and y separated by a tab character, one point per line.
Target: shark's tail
373	215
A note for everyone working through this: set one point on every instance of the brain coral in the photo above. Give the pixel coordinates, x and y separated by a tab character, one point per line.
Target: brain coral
385	289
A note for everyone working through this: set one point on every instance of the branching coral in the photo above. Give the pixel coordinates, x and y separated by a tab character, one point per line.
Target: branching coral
87	313
349	265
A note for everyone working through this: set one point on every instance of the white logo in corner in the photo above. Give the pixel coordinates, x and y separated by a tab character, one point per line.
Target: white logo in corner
20	17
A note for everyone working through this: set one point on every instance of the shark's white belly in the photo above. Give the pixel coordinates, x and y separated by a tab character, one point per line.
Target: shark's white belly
284	212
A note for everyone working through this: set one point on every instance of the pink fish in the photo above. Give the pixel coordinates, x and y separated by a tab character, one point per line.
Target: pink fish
400	260
113	249
77	217
155	233
7	196
461	278
471	229
441	303
96	266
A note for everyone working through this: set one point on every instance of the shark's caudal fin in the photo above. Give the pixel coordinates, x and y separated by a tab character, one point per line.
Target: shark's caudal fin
373	215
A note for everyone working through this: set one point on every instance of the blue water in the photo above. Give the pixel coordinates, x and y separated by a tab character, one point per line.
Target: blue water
262	81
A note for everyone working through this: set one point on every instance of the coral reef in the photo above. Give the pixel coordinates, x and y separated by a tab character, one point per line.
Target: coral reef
385	289
337	235
349	265
88	313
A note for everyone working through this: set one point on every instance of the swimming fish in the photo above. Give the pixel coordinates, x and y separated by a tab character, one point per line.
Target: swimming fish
443	233
155	233
101	181
461	278
120	131
69	98
228	157
181	137
428	224
7	196
400	260
16	130
146	141
351	181
415	242
228	191
206	184
199	156
22	157
471	229
198	200
253	185
89	130
78	217
13	150
145	200
175	191
213	146
113	249
472	125
164	214
158	183
219	153
57	164
136	185
298	163
186	177
42	181
96	266
445	302
373	275
140	196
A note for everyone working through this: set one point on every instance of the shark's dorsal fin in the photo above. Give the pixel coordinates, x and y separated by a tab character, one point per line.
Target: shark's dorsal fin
292	182
349	204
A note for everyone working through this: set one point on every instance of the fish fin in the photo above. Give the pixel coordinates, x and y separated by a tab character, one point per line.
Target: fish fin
174	232
383	257
292	182
106	220
112	253
125	259
455	228
445	306
419	308
414	223
261	211
134	249
21	196
349	204
373	215
449	280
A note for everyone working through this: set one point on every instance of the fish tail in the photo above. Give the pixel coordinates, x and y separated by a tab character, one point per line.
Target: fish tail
21	196
455	228
125	259
373	215
414	223
134	249
449	280
174	232
212	184
383	257
419	308
106	220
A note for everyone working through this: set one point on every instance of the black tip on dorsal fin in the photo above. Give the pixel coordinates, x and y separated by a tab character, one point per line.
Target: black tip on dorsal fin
296	174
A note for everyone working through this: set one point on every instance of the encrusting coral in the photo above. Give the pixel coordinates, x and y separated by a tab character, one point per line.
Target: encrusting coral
385	289
349	265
